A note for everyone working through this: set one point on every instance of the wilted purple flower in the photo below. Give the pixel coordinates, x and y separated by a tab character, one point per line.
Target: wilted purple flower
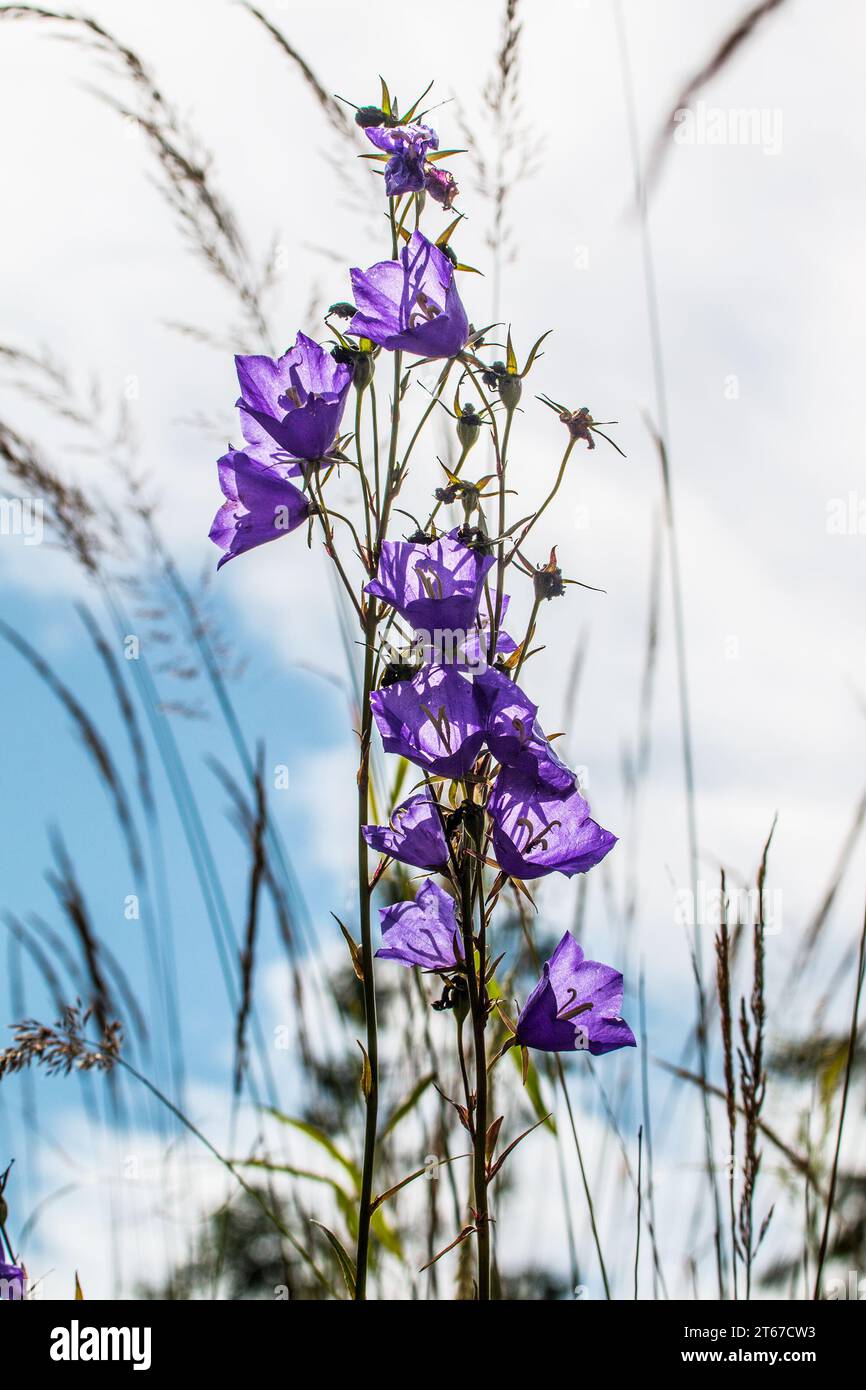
414	835
408	146
434	720
575	1006
537	831
261	504
441	185
424	932
13	1282
514	735
411	304
435	587
297	400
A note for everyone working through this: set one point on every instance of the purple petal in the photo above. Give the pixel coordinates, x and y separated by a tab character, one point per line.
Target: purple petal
261	505
515	737
411	304
424	932
575	1005
414	836
537	831
435	587
434	720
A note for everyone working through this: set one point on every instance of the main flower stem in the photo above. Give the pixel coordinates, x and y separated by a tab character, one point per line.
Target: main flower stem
364	896
478	1012
500	549
364	893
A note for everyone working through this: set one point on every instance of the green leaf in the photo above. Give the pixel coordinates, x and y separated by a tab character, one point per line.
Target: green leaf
513	1145
366	1072
415	104
399	779
533	1091
386	1235
346	1263
510	355
79	1292
319	1137
445	236
534	353
408	1104
404	1182
386	97
354	949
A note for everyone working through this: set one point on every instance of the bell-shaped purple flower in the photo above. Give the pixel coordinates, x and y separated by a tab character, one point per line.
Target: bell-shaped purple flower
13	1282
424	932
434	720
514	735
575	1006
411	304
414	835
261	504
408	146
296	400
436	587
537	831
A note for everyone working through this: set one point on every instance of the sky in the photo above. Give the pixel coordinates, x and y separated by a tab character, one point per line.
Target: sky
761	286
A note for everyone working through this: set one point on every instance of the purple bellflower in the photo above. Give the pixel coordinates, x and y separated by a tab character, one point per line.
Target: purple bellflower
411	304
295	401
514	735
435	720
537	831
414	836
13	1282
575	1006
261	504
424	932
435	587
408	146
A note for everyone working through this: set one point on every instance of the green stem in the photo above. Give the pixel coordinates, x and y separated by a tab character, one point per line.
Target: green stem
330	547
478	1012
530	626
554	490
364	896
500	531
365	486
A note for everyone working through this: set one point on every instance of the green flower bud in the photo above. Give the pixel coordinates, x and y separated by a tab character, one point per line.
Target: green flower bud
468	428
510	390
364	366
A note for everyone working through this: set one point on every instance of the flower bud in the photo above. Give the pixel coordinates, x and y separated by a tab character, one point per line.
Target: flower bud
468	428
510	390
361	363
363	373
